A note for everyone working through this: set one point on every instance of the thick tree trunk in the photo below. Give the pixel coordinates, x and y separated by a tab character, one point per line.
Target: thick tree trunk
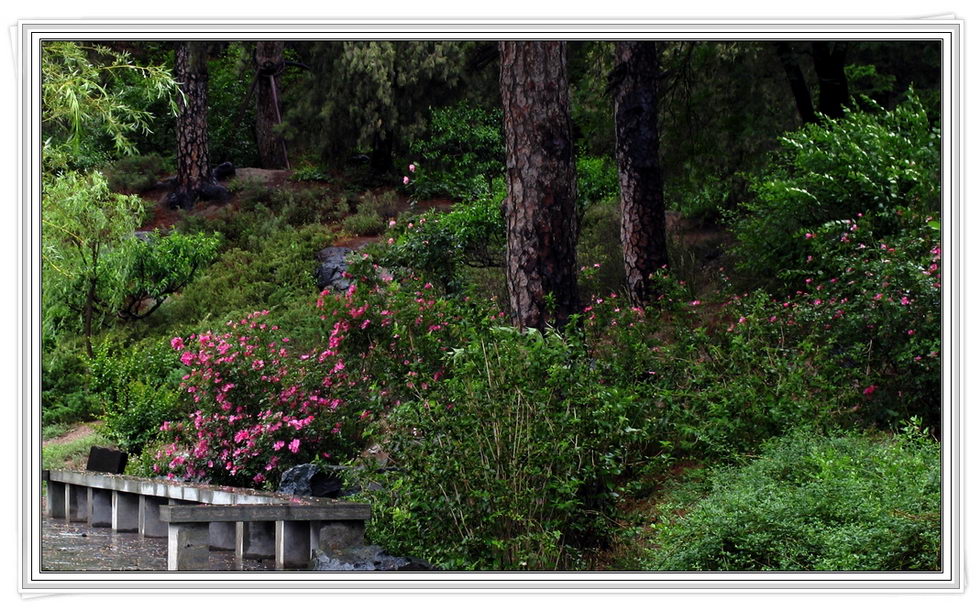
193	165
268	113
801	93
540	203
828	61
643	225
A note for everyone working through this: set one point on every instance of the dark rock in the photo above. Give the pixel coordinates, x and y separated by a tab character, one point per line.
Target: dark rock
309	480
366	558
214	193
143	236
358	160
176	199
223	171
106	460
330	271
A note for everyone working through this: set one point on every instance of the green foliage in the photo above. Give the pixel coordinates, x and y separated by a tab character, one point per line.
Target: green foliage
278	272
92	103
462	155
82	222
589	65
135	173
814	503
230	125
863	162
599	250
598	180
136	389
438	244
363	223
309	172
65	396
370	95
508	463
159	266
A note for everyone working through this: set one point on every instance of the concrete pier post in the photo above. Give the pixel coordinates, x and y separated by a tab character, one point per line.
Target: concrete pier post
76	503
55	507
292	544
99	507
125	512
187	546
149	517
221	535
254	540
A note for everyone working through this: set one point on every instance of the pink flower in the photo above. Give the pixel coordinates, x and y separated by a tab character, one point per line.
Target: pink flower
294	446
870	390
405	180
411	167
809	236
177	343
278	445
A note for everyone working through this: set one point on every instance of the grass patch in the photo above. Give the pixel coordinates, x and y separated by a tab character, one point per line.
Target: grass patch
71	454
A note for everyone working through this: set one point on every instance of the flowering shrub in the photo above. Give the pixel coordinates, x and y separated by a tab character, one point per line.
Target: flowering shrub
259	400
865	162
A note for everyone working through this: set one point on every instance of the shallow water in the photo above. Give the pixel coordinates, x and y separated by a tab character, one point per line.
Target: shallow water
76	546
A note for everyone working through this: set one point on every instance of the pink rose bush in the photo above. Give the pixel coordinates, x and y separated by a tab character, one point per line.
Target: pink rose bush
258	400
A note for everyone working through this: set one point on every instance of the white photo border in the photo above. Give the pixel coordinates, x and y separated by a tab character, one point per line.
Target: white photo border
30	34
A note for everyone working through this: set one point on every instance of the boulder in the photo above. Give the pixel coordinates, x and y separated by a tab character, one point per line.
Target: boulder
331	268
214	193
366	558
223	171
309	480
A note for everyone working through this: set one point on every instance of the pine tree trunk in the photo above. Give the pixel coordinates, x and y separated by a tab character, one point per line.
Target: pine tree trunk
828	61
540	203
801	93
193	165
643	225
272	148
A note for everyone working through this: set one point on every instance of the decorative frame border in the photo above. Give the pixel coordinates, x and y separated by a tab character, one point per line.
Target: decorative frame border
30	33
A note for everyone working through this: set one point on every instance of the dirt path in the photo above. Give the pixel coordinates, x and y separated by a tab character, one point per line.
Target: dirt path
83	430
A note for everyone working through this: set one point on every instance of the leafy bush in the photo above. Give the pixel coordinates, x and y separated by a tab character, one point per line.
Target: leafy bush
462	155
861	163
261	400
868	309
65	396
136	173
308	172
438	244
814	503
598	180
507	463
277	273
135	387
363	223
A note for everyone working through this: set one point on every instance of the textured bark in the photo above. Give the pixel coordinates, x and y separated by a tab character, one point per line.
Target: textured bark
801	93
193	165
643	225
828	61
540	203
268	114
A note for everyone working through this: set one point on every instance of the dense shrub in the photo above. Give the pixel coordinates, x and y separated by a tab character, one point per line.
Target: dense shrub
865	162
135	386
277	273
462	155
438	244
135	173
261	400
597	180
814	503
508	462
65	395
